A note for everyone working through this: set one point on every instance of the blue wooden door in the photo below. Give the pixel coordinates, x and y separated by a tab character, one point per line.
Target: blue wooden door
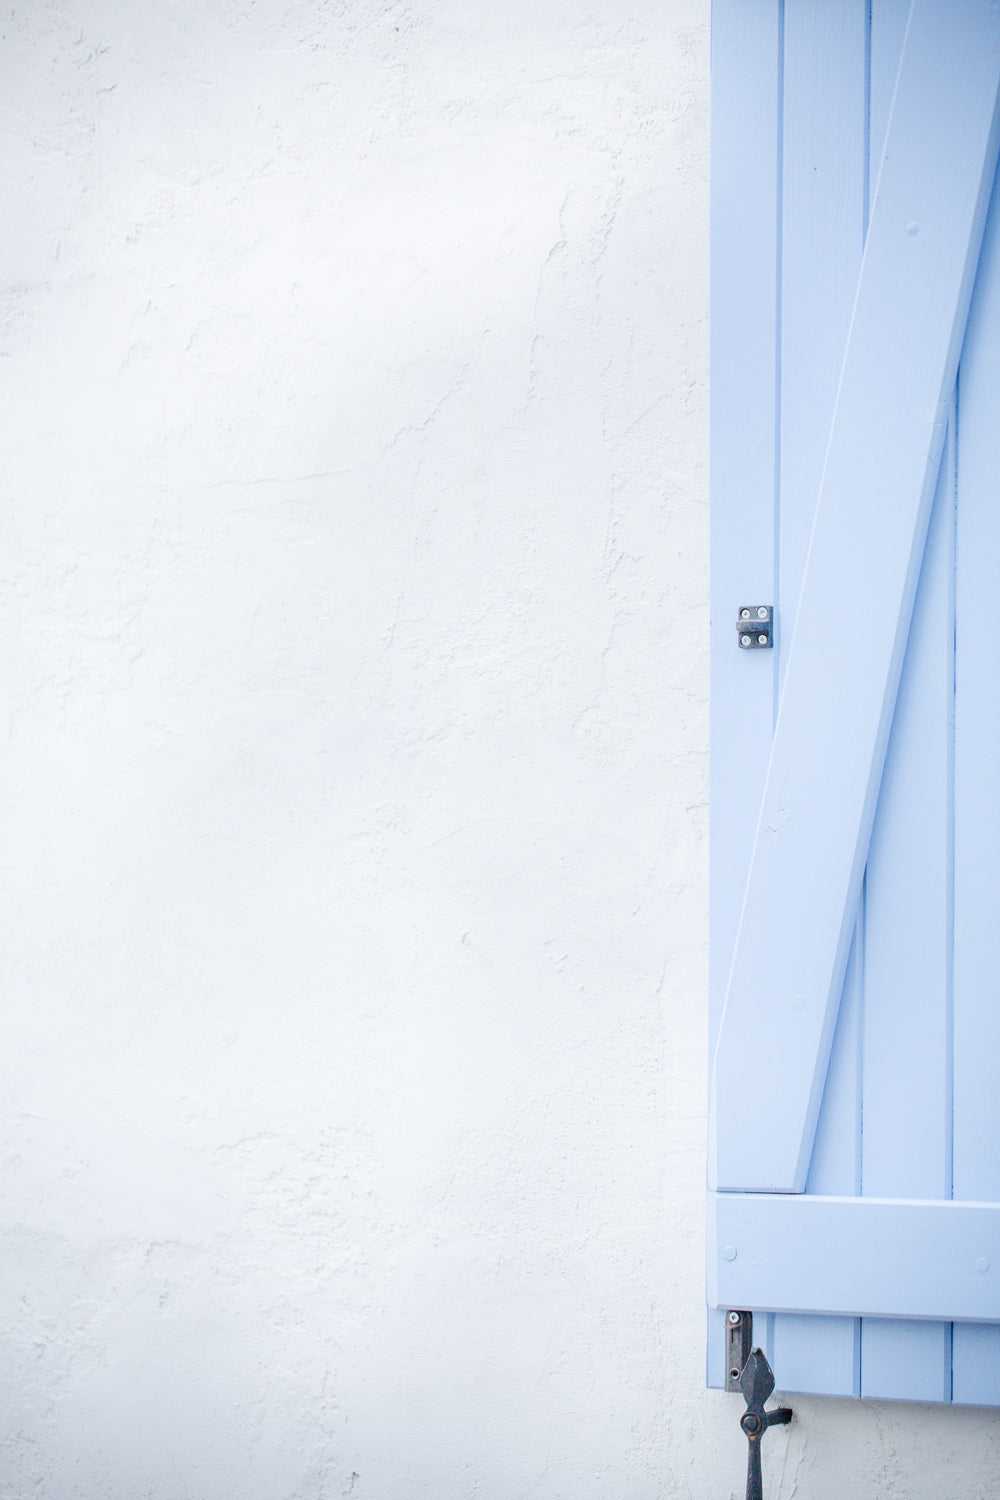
854	1200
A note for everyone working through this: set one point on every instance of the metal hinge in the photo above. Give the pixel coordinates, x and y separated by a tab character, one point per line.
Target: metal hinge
739	1342
755	627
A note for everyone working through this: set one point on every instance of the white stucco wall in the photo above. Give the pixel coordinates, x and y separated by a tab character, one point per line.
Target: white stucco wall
354	656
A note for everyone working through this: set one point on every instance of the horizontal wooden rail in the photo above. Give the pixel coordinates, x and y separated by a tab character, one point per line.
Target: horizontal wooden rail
878	1257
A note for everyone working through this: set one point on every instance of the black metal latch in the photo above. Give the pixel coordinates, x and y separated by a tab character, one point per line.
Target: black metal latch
755	627
757	1384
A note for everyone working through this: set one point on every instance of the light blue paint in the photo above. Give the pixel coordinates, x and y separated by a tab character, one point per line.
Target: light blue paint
880	1062
870	1257
745	53
824	216
976	1041
864	559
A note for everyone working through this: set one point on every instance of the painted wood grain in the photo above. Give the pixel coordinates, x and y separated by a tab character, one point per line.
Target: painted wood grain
863	564
906	1100
746	68
892	1257
976	1377
912	1040
823	219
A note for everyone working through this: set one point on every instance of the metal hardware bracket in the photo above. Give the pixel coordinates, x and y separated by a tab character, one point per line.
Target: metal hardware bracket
755	627
739	1342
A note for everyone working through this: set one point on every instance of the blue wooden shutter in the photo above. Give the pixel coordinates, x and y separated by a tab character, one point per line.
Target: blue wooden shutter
855	1145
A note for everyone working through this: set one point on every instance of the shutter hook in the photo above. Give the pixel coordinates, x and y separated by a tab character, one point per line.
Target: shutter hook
757	1383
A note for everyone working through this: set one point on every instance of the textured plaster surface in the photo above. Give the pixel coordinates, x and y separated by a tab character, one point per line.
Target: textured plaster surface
354	606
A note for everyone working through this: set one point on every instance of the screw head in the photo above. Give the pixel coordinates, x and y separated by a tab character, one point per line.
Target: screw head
734	1318
744	614
746	640
762	640
762	611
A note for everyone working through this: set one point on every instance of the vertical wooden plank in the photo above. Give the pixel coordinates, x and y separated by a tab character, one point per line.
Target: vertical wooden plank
822	1355
823	227
889	19
746	70
715	1361
836	1160
823	224
906	1107
817	1356
888	28
906	1143
976	1364
976	1356
745	171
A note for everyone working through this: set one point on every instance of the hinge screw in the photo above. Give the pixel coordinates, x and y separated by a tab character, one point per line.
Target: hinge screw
734	1318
